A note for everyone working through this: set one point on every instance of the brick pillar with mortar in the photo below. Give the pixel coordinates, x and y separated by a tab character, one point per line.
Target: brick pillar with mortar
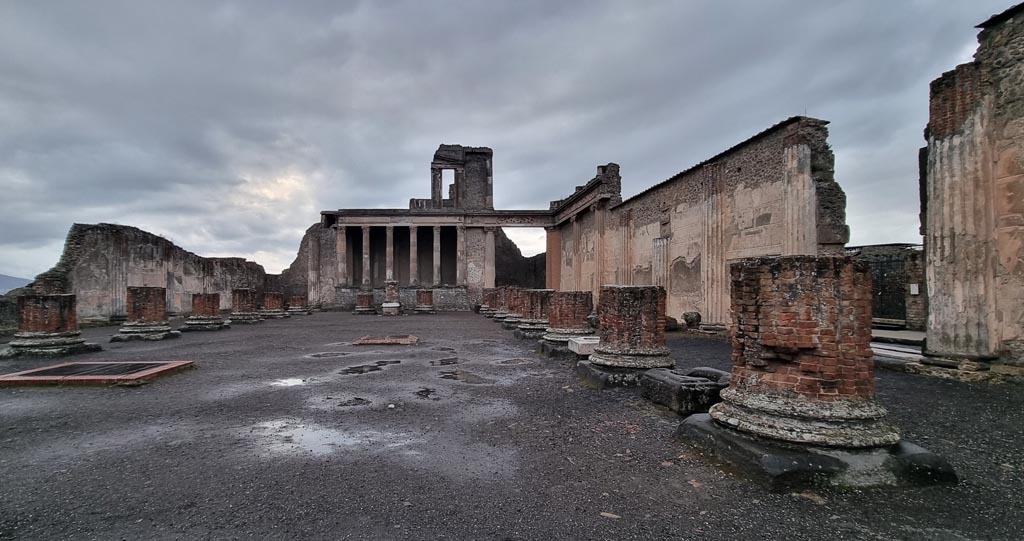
147	316
273	306
424	301
392	300
632	336
364	304
518	304
800	407
487	302
803	369
535	318
205	314
298	305
567	318
501	304
47	327
243	307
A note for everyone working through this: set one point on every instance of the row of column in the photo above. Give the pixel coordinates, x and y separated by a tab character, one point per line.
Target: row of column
342	250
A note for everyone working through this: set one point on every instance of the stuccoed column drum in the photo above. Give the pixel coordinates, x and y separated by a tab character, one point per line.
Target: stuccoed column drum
632	328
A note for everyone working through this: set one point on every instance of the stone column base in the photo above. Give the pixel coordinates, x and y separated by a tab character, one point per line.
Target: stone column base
365	311
603	377
424	309
511	322
531	329
391	309
300	312
274	314
652	358
787	466
499	316
833	423
42	344
245	318
144	331
199	323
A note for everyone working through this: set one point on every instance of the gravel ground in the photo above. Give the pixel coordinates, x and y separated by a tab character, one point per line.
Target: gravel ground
469	436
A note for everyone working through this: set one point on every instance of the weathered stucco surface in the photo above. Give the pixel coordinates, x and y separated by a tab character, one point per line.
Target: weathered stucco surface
773	194
100	261
973	187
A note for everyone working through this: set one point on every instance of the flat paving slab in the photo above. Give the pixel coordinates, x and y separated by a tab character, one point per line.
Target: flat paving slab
93	373
466	434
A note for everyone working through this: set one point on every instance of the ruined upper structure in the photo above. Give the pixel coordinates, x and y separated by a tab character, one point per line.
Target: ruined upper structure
972	185
473	188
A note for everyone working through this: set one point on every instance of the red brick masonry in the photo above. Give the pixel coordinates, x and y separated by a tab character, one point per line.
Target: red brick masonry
47	313
243	300
206	305
147	304
570	309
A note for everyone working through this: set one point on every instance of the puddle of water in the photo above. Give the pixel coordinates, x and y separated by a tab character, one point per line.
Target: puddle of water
445	362
426	393
289	436
465	377
514	362
327	354
444	349
367	368
288	382
353	402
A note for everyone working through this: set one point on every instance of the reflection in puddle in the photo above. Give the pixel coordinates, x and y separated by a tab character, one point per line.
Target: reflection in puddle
426	393
465	377
445	362
514	362
288	382
366	368
327	354
290	436
354	402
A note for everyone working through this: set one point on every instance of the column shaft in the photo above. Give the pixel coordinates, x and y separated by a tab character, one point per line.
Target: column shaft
367	282
460	255
437	255
389	254
414	268
489	270
341	247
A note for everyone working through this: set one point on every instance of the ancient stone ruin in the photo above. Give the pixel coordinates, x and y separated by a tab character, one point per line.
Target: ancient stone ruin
803	374
47	327
298	306
147	316
535	319
567	318
243	307
273	306
205	314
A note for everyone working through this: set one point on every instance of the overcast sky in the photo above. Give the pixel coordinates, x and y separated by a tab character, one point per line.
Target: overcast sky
228	126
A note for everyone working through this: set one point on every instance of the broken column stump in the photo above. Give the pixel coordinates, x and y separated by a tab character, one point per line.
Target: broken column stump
273	306
632	333
47	327
684	391
364	304
535	319
488	304
147	316
205	314
298	306
243	307
567	318
518	303
424	301
800	407
392	305
502	307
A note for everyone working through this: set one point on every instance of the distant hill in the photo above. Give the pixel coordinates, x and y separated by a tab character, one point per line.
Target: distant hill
8	283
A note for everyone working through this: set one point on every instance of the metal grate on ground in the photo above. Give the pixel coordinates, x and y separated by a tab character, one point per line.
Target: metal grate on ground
94	373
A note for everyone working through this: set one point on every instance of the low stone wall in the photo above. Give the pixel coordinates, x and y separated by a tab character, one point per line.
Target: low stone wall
446	299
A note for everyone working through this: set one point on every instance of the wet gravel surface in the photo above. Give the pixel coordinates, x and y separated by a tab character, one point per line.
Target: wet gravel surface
285	430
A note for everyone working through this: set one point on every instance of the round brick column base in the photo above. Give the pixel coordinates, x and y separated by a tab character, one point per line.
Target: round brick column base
831	423
562	336
651	358
157	330
274	314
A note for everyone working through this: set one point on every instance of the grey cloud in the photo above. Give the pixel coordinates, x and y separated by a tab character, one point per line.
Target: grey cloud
189	118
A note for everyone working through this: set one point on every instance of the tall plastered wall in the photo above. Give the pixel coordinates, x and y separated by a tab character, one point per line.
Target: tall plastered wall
973	187
773	194
100	262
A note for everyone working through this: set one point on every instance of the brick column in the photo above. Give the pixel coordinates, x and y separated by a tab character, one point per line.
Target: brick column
437	255
367	279
47	327
389	254
414	267
632	328
364	303
535	317
424	301
243	306
489	270
273	306
205	313
568	315
517	303
298	306
341	247
553	259
500	303
488	303
803	369
460	255
147	316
